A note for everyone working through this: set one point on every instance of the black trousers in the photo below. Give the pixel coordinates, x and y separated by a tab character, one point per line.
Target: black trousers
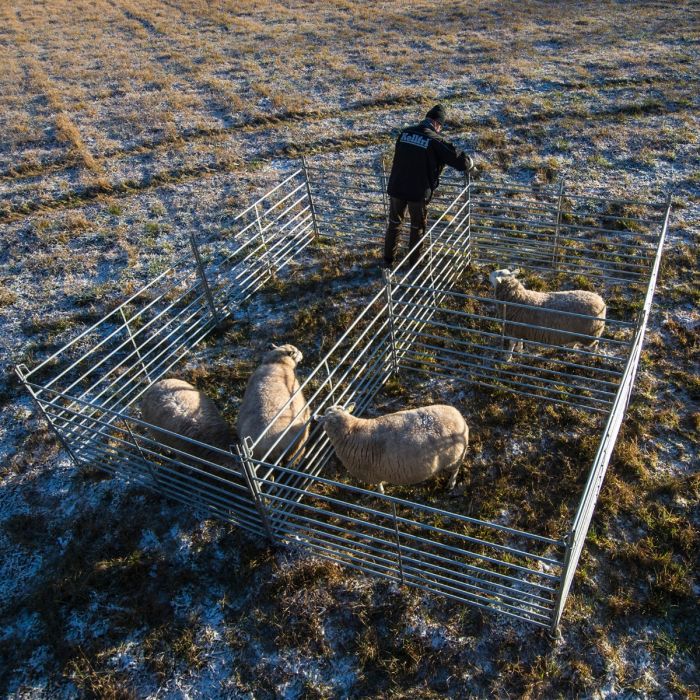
418	214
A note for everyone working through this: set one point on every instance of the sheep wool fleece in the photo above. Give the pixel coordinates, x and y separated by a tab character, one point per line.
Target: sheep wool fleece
269	388
177	406
545	319
405	447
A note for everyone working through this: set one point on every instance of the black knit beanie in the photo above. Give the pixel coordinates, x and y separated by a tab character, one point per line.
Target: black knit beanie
437	113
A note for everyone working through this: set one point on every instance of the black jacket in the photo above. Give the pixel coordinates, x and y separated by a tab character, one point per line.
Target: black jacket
419	157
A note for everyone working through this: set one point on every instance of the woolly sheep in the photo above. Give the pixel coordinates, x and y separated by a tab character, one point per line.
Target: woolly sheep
175	405
269	388
549	326
406	447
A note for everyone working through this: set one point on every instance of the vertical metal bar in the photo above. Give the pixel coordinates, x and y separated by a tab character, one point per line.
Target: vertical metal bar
503	325
398	543
330	381
21	371
565	573
245	454
390	310
148	462
203	277
308	194
643	317
472	254
261	231
557	227
133	342
431	252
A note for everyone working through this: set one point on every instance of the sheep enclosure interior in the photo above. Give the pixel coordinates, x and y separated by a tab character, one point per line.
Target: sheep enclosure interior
429	334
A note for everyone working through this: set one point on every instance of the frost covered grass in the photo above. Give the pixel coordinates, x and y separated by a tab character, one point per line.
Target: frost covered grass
127	126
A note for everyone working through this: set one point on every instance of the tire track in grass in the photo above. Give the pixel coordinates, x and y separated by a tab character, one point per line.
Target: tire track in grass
220	97
355	110
65	127
375	137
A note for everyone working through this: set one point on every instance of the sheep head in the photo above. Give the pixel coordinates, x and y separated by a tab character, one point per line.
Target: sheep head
335	414
498	276
276	353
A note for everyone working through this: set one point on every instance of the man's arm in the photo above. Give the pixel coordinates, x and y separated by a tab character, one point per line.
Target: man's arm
449	155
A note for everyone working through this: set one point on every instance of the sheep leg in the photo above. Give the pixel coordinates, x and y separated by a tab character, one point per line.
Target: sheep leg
453	478
380	488
511	345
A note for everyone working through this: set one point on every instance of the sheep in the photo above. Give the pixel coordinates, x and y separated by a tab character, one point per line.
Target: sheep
546	325
175	405
405	447
269	388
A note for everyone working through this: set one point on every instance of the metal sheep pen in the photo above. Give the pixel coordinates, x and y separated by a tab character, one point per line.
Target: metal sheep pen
416	323
421	321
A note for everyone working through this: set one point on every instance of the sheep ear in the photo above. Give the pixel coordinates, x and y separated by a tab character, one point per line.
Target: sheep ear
515	272
350	408
271	346
318	417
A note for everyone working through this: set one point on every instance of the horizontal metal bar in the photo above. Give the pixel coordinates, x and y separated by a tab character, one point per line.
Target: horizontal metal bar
572	225
161	481
549	387
429	292
425	527
512	386
515	205
536	343
499	591
467	332
507	236
572	265
512	188
464	340
387	554
268	193
411	505
492	604
514	364
535	223
388	549
329	172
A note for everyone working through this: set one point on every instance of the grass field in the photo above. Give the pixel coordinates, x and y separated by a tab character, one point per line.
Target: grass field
128	125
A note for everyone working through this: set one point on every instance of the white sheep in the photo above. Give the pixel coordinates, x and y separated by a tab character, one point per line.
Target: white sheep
175	405
545	325
269	389
406	447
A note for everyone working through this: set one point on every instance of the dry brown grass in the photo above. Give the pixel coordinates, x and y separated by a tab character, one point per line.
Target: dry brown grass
185	97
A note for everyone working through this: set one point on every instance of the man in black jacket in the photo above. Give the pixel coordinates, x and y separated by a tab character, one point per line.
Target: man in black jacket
419	157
